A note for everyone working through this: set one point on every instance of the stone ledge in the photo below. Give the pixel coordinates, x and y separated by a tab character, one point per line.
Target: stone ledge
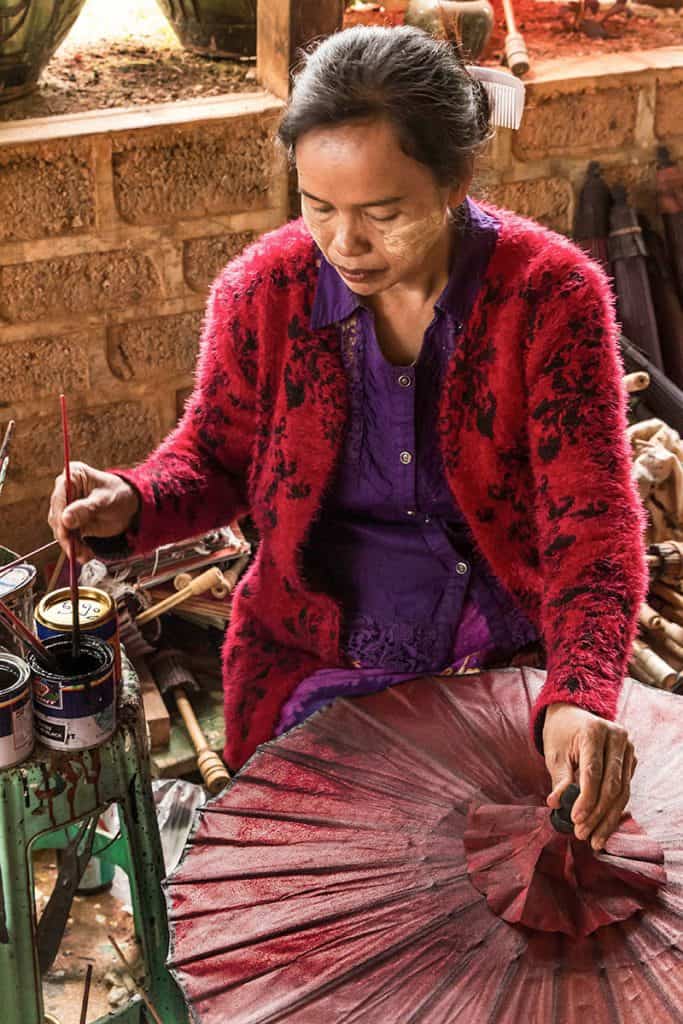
128	119
567	71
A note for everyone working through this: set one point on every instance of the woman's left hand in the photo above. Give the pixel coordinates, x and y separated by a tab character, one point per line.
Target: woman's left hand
596	754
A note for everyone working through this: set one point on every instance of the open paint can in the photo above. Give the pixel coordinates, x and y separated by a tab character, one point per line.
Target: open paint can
75	702
16	710
96	615
16	590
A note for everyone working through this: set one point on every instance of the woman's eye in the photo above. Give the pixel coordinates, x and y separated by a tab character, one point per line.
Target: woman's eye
383	220
321	209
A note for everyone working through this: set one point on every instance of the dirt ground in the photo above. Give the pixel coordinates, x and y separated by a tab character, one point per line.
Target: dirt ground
85	941
126	54
546	27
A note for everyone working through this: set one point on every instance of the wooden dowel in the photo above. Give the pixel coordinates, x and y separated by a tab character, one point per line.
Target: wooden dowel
655	669
138	988
86	994
56	571
216	776
671	596
649	618
199	585
638	381
24	558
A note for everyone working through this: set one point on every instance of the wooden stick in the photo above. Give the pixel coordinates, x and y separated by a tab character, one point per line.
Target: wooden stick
211	578
24	558
86	995
56	571
649	618
73	572
638	381
516	54
656	671
138	988
4	452
23	633
216	776
671	596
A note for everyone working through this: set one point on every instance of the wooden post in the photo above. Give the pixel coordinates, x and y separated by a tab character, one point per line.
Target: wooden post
283	27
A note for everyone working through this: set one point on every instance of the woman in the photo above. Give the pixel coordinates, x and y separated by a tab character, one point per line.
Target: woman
418	399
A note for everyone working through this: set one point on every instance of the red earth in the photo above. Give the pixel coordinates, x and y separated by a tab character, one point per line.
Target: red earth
546	27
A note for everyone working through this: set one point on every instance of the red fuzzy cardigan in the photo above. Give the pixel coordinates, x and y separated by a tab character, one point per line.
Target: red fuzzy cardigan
532	418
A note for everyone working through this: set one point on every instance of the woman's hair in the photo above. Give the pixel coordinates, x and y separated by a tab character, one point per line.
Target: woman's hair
418	83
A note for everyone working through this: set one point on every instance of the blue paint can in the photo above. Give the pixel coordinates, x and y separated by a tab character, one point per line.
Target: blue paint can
96	615
16	710
74	703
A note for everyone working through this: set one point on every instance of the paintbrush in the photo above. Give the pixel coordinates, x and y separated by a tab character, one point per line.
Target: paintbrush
86	994
73	579
23	633
4	452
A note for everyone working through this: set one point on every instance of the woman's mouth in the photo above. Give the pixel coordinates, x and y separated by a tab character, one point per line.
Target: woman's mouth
358	276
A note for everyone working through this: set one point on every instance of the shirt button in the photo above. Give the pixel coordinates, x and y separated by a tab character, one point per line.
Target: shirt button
406	458
410	511
405	381
461	568
428	519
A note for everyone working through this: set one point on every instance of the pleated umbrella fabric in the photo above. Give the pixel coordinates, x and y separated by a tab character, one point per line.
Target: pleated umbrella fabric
329	884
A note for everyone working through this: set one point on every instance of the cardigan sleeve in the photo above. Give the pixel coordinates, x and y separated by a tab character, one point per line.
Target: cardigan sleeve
196	479
589	517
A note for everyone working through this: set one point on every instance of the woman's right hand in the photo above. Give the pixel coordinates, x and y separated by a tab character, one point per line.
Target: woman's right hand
102	505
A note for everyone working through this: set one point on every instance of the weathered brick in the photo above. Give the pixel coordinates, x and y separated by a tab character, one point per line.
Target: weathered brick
547	200
203	258
211	168
572	123
181	397
24	524
87	283
669	106
118	434
144	347
47	191
43	366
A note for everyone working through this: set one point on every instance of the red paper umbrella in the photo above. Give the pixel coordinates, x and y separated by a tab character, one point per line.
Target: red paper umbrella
392	861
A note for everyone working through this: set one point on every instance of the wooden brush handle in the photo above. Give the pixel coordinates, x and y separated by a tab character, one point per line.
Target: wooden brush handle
211	578
638	381
215	774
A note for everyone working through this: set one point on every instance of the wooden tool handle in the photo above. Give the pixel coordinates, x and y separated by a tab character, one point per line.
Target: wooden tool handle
213	771
199	585
638	381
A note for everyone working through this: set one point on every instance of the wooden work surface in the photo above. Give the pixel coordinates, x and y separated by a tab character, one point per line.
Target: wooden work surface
179	757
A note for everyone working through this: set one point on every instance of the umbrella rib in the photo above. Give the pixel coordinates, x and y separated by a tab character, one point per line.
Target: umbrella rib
336	916
376	960
647	970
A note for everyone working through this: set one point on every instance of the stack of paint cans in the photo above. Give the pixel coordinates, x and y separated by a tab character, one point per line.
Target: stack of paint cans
16	710
75	702
16	590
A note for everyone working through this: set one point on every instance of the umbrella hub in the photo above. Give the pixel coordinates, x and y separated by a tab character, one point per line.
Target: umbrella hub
534	876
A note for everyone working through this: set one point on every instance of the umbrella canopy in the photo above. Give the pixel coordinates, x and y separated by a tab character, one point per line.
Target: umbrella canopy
357	872
627	254
670	204
591	221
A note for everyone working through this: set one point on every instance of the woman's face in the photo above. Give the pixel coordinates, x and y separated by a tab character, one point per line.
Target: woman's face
378	216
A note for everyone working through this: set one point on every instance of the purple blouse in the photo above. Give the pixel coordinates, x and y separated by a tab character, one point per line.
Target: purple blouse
390	543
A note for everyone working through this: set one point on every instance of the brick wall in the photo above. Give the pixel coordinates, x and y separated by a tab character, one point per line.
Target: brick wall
615	108
112	226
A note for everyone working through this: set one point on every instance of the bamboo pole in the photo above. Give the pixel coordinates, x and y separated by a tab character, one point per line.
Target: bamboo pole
638	381
211	578
656	671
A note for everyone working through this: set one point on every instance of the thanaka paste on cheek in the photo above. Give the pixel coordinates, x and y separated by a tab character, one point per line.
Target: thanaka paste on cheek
415	238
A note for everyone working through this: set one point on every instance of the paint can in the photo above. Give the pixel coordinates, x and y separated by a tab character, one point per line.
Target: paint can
96	615
74	704
16	711
16	590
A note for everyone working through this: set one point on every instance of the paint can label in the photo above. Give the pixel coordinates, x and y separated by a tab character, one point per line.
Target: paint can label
74	717
16	711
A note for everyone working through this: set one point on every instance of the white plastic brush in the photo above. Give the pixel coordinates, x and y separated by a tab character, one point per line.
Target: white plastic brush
506	95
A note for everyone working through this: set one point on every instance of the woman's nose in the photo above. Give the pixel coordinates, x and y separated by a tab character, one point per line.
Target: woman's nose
349	240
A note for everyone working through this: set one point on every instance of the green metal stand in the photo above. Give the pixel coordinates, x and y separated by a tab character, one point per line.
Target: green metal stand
50	792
